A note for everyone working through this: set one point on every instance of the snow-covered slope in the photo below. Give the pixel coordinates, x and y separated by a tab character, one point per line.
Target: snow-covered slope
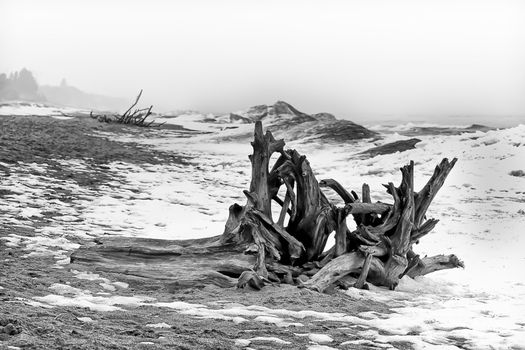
286	121
281	118
481	209
20	108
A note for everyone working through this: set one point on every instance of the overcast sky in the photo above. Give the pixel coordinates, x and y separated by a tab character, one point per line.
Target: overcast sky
351	58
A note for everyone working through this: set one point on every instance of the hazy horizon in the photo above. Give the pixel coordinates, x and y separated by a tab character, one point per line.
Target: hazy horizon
355	59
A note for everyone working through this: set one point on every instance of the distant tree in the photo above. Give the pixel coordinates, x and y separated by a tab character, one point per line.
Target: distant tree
63	83
19	85
7	89
3	81
26	84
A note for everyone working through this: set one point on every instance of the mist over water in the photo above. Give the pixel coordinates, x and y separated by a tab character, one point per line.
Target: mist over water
369	61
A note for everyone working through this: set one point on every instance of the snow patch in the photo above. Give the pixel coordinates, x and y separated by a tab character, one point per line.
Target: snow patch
476	220
106	283
269	339
320	338
108	287
320	347
64	289
122	285
17	108
158	325
94	303
242	342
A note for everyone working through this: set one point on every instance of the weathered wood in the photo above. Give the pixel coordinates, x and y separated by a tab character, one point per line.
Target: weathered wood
429	191
128	111
424	229
292	197
284	208
264	145
390	237
268	244
390	220
281	203
137	117
231	227
400	240
258	250
380	249
191	263
295	247
435	263
340	232
365	218
368	208
254	223
282	269
365	235
339	189
250	278
313	221
360	283
334	270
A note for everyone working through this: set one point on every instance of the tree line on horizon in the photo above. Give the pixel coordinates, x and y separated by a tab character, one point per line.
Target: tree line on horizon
20	85
23	86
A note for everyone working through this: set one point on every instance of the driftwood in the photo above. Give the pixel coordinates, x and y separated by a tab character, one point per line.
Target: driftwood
177	263
137	117
257	249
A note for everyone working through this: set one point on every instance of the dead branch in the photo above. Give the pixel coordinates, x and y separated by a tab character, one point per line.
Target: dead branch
138	117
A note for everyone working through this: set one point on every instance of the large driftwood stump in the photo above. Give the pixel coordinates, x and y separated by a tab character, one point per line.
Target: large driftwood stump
258	248
386	242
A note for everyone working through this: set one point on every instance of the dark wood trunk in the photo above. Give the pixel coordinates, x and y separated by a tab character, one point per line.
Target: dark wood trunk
255	248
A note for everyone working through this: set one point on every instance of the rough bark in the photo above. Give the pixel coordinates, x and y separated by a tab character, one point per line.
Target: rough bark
386	240
259	250
435	263
360	283
335	270
177	264
340	232
427	194
313	220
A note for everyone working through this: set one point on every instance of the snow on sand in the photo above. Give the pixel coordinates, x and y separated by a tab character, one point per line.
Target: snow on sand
481	210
